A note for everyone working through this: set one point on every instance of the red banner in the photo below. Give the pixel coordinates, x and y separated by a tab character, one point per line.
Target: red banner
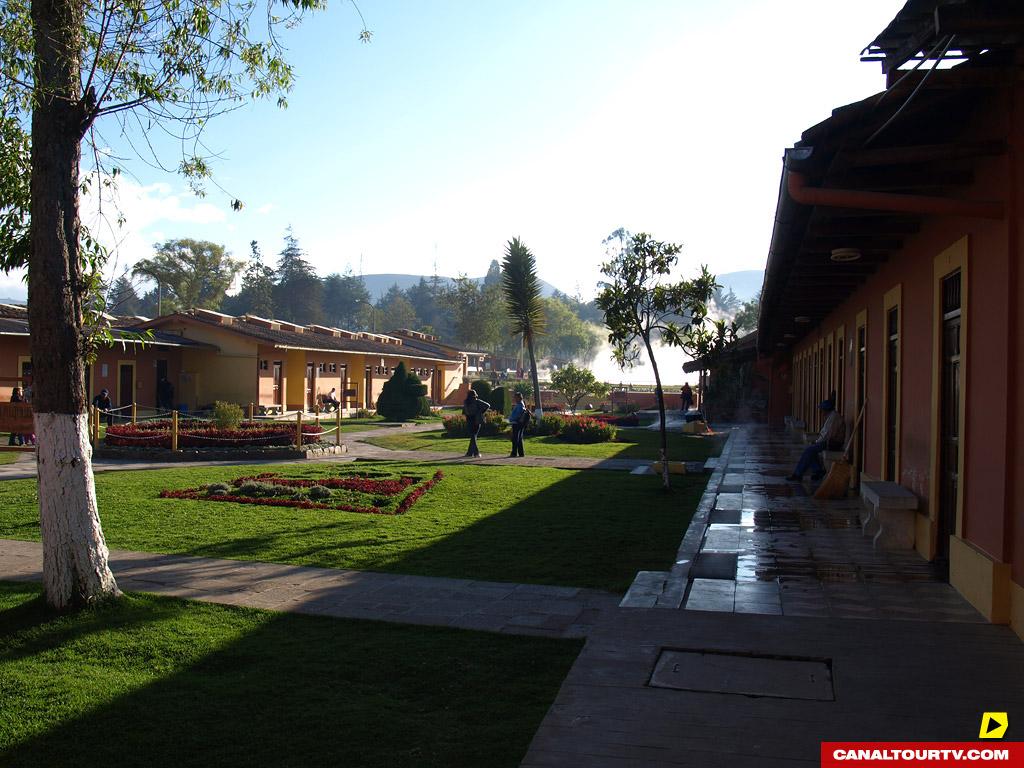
922	754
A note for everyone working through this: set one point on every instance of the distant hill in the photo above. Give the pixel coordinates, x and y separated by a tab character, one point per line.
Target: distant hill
13	301
378	285
745	284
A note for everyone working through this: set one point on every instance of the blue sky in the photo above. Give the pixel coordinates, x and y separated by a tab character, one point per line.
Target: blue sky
464	124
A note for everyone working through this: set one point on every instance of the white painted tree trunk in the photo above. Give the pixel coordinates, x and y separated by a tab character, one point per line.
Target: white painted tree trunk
75	567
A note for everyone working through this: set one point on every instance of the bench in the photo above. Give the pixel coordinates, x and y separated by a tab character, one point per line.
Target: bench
891	511
271	410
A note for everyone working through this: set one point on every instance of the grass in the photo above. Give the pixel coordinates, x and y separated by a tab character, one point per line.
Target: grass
519	524
153	681
630	444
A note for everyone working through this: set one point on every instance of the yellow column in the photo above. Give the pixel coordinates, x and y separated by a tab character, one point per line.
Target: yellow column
298	428
174	430
134	412
337	433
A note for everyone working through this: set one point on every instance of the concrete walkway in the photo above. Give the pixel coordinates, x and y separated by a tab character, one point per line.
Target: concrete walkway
518	609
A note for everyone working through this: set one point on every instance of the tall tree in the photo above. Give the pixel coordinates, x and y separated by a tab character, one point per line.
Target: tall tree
640	306
424	297
171	65
567	337
493	276
122	298
192	273
474	311
521	286
396	311
576	383
746	318
257	294
344	298
298	293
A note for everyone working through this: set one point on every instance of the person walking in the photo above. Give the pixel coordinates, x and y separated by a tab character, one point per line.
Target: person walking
474	409
520	419
687	397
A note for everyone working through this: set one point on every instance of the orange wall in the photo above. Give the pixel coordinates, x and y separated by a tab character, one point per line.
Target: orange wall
994	426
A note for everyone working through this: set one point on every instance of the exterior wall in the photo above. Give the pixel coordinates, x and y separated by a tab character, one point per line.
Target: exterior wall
991	522
11	348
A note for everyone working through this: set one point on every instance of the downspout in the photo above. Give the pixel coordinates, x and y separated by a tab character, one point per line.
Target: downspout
798	189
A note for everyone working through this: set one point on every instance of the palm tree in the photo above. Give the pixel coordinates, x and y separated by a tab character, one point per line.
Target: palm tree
521	286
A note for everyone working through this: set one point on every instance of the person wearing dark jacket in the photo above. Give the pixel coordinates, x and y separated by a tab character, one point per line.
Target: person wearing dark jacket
103	404
474	409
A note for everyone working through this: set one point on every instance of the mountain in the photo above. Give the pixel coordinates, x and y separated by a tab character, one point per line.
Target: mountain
20	302
378	284
745	284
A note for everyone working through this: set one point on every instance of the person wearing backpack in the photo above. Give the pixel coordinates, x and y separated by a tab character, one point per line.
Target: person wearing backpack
520	420
474	409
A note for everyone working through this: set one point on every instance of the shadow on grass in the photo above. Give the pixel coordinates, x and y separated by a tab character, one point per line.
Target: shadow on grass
154	681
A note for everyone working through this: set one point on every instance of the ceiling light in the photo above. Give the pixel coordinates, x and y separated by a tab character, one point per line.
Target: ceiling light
789	335
801	319
844	255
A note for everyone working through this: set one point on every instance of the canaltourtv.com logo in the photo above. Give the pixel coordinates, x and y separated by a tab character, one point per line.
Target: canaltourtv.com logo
932	754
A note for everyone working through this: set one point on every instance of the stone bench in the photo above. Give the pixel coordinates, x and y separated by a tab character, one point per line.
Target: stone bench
891	511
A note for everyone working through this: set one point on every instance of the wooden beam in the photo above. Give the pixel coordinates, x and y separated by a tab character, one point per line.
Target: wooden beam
924	153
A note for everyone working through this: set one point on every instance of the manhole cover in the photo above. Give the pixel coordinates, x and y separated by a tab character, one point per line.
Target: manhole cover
745	674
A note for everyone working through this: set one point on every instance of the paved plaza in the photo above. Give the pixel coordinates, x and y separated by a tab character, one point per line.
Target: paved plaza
766	580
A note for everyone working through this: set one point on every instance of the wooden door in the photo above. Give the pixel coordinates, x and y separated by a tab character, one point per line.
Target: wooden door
892	394
949	413
126	384
310	387
278	394
368	388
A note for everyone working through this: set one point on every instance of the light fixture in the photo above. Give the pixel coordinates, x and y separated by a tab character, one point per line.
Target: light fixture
846	255
801	319
789	335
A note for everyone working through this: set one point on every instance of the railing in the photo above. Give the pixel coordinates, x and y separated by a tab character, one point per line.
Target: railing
96	415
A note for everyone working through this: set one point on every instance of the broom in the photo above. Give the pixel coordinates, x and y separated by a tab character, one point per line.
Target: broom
837	481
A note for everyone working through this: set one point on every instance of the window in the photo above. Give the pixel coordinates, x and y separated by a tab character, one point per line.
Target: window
263	365
334	367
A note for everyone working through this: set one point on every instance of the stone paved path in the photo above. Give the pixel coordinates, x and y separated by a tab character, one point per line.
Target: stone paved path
760	544
520	609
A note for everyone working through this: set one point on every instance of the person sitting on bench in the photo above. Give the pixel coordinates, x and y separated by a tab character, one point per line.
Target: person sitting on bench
331	402
830	438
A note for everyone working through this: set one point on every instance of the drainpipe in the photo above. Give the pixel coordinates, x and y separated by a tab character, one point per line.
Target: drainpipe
798	189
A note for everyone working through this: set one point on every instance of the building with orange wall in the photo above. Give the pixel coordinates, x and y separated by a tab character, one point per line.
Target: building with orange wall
894	281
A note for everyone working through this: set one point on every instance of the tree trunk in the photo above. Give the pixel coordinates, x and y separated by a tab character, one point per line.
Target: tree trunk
538	411
75	568
661	414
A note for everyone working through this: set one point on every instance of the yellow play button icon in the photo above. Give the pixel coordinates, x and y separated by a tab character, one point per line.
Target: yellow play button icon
993	725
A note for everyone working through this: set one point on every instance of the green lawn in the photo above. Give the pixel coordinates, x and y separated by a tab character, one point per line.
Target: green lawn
630	444
152	681
519	524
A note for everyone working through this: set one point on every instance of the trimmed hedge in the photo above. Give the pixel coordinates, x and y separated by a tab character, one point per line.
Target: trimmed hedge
494	424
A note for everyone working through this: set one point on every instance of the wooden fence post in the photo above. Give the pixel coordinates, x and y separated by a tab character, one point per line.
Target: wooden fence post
134	412
337	433
174	430
298	429
96	425
252	411
91	422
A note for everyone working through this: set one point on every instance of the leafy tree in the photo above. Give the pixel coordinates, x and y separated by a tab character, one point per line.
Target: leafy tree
576	383
475	313
396	311
521	287
640	306
344	297
403	396
75	65
746	318
424	297
257	294
567	337
192	273
726	301
298	292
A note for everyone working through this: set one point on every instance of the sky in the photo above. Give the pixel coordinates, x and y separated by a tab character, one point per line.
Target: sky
464	124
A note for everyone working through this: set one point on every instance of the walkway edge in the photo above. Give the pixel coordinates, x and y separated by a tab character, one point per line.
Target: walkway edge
666	589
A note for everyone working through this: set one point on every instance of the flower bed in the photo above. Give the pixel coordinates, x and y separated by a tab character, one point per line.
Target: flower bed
365	493
193	433
619	420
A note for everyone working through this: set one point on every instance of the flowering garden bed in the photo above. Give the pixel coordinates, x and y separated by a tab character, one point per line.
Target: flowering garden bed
366	492
193	433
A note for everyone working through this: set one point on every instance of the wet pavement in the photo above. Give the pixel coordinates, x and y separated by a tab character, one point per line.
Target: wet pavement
768	547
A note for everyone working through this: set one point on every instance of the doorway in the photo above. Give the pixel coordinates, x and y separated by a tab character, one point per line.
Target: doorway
892	394
860	394
310	387
368	388
278	395
125	383
162	401
949	413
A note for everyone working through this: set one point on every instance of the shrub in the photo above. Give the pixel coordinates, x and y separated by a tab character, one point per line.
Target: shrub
494	424
200	434
319	493
551	424
402	396
583	429
627	407
218	489
255	488
362	413
627	420
227	415
483	390
501	401
524	388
